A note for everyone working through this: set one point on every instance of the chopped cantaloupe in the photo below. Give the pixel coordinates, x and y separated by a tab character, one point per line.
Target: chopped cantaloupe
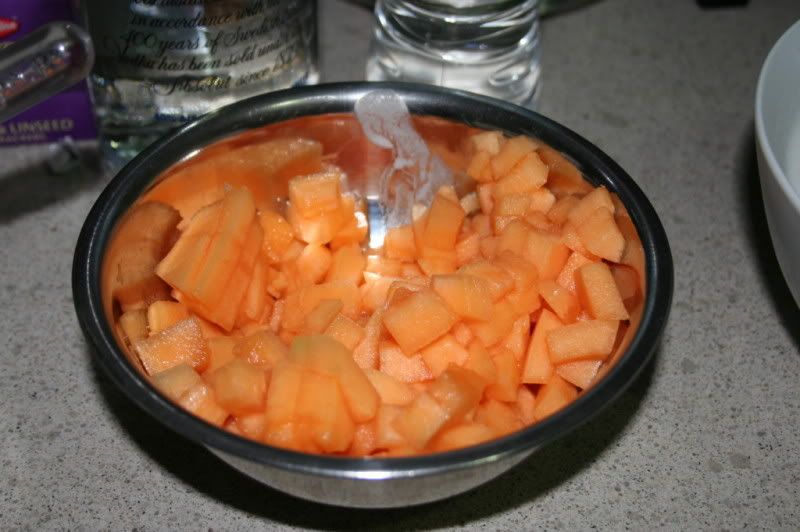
590	339
145	233
164	314
513	238
547	253
278	234
399	243
200	401
391	390
488	141
386	435
504	388
581	373
313	263
480	362
511	153
282	395
418	422
519	337
527	175
175	381
443	352
398	365
443	222
499	280
220	352
599	197
553	396
463	435
182	343
467	296
418	320
347	265
251	425
560	210
567	276
239	387
315	194
492	331
322	413
345	331
323	315
325	355
133	325
468	249
525	405
598	292
560	300
537	368
601	236
563	177
458	390
498	416
262	349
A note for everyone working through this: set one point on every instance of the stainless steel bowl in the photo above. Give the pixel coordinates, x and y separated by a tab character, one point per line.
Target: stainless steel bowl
354	482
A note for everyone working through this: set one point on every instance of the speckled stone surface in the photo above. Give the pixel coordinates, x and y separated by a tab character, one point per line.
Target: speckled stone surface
707	438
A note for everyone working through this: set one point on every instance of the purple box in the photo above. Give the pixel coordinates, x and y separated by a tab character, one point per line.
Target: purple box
68	114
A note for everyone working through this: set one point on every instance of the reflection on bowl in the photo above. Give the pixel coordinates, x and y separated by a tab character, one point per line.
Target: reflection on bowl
374	482
777	117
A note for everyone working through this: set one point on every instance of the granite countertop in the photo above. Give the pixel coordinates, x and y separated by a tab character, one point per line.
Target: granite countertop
709	435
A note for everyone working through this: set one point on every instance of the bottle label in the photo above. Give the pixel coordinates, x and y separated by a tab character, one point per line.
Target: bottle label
203	46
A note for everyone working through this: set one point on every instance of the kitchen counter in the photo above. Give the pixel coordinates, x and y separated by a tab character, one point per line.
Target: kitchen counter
707	438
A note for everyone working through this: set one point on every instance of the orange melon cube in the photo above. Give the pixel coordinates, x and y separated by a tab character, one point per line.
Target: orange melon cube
144	236
322	413
251	425
482	225
491	332
499	223
386	436
514	238
324	355
315	194
175	381
479	167
239	388
627	281
488	247
313	263
598	293
366	353
399	243
396	364
542	200
518	339
560	300
282	395
278	234
391	390
164	314
353	231
486	197
498	279
436	266
470	203
560	210
419	422
567	276
345	331
410	271
480	362
563	177
375	290
301	302
347	265
525	405
458	390
133	325
504	388
524	302
383	266
487	141
511	204
539	220
511	153
443	223
183	343
499	417
322	316
460	436
546	252
462	333
220	352
262	349
590	339
601	236
599	197
581	373
320	229
523	272
537	368
364	440
528	174
418	320
468	249
553	396
466	295
443	352
200	401
257	303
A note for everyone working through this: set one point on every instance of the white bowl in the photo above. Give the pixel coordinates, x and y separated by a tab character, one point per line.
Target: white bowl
778	147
